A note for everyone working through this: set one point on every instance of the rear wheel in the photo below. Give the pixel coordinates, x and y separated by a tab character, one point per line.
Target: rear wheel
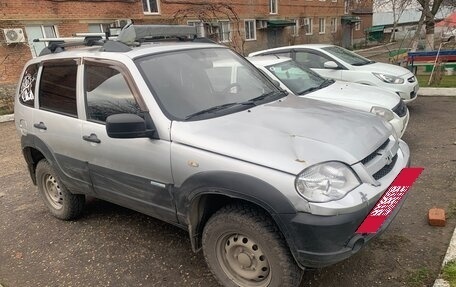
243	247
60	202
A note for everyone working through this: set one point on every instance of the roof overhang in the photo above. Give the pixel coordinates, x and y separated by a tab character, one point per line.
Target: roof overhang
280	23
350	19
372	29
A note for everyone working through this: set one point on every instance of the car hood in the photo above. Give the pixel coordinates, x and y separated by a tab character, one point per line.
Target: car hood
356	96
287	135
389	69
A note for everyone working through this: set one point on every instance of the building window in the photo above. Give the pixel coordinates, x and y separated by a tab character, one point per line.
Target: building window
321	25
334	0
295	31
41	31
250	29
346	6
224	31
333	25
98	28
273	6
358	26
199	27
308	26
151	6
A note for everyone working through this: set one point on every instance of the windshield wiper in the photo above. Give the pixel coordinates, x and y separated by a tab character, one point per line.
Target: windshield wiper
325	83
273	94
211	110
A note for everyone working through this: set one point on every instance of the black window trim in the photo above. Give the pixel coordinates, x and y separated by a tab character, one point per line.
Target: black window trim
38	88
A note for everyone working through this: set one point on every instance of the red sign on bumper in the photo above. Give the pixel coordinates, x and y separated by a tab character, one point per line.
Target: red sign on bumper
389	200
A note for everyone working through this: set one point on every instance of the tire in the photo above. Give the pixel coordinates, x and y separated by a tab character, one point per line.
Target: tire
243	247
58	199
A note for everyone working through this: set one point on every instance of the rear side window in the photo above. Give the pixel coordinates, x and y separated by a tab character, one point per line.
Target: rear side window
28	84
107	93
58	87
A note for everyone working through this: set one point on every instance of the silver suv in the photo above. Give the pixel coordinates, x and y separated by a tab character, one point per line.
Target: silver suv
266	183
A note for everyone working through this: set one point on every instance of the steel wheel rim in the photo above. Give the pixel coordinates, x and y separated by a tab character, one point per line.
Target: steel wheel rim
243	261
53	192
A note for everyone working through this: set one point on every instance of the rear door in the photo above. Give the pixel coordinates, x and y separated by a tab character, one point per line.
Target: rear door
56	124
134	173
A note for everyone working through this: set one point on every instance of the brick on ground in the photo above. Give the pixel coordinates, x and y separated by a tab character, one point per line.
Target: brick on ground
436	217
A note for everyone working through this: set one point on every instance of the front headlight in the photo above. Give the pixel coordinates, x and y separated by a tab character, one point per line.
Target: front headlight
386	114
389	78
326	181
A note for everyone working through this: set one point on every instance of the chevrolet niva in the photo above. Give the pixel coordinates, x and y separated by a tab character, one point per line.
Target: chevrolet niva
266	183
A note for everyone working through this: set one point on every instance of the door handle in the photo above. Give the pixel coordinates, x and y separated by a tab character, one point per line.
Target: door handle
92	138
40	126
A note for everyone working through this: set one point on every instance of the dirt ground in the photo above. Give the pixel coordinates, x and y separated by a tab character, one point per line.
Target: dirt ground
113	246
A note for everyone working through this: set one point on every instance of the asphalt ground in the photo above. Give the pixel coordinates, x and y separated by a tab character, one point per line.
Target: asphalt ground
114	246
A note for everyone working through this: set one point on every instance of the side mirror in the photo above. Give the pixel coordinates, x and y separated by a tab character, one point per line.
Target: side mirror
125	126
331	65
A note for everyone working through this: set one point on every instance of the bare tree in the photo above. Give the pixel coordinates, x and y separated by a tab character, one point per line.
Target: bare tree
207	13
429	9
397	7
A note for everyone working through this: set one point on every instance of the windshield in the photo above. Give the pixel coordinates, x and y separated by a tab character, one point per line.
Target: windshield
347	56
203	83
298	79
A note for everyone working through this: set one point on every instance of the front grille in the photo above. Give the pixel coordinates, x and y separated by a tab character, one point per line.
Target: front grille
411	79
375	153
400	109
386	169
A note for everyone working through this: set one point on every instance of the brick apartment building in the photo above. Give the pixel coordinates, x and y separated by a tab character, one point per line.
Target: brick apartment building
245	25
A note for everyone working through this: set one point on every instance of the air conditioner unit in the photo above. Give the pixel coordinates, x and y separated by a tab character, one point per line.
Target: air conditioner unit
262	24
15	35
122	23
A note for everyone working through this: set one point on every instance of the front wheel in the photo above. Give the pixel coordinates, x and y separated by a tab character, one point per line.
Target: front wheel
59	200
243	247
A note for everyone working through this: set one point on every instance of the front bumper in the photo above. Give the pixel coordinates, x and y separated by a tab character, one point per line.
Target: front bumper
409	92
329	234
320	241
400	124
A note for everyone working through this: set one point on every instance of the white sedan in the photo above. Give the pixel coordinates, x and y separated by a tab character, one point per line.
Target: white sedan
334	62
301	81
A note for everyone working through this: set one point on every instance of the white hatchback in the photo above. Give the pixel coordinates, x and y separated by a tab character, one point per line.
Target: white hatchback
334	62
303	82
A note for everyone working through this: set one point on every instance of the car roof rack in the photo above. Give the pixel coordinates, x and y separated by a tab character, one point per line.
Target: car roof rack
56	45
136	34
130	35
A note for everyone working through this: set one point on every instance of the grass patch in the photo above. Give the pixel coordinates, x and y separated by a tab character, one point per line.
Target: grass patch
5	112
419	277
6	106
449	273
451	210
446	82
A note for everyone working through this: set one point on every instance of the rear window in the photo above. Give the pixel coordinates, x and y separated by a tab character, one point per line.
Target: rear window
58	87
28	84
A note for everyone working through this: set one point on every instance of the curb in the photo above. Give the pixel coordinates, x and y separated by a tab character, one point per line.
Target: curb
440	92
7	118
450	255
